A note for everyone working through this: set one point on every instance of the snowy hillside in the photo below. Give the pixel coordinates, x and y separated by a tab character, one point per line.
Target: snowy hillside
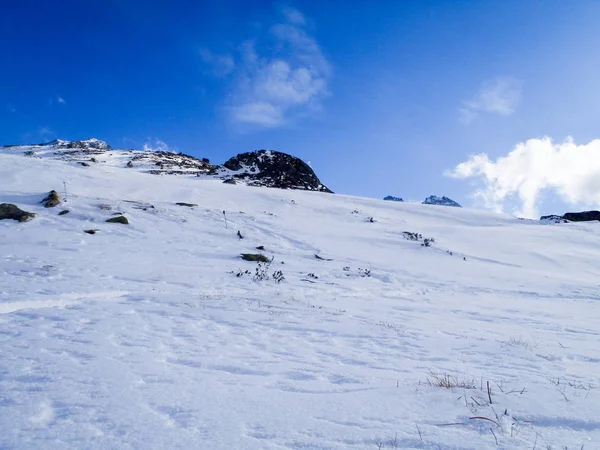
157	335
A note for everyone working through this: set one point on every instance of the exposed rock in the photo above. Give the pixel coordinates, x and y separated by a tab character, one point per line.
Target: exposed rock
10	211
173	163
553	219
94	160
63	212
583	216
93	143
189	205
256	257
90	231
270	168
84	164
391	198
443	201
51	200
260	247
229	181
118	219
130	164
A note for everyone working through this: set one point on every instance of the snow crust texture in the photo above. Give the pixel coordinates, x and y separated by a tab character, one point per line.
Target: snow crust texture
156	334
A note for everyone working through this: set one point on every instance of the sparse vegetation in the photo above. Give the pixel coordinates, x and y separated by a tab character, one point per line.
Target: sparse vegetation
255	257
447	381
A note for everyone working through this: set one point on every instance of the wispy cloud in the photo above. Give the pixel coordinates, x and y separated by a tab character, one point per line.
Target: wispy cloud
500	95
293	16
58	99
276	83
568	170
221	64
156	145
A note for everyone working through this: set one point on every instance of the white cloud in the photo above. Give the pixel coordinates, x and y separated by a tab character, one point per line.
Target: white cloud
570	171
221	64
158	146
285	80
293	16
61	100
500	95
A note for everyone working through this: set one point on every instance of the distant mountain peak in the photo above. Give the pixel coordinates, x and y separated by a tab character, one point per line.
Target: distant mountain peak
443	201
391	198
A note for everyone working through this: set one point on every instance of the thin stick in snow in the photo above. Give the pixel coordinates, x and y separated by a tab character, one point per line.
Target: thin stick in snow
65	186
225	217
421	437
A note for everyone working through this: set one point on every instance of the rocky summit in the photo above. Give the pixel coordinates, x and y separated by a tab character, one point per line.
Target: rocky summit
443	201
271	169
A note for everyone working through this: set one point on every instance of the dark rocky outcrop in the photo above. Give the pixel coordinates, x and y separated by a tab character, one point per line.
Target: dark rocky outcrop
270	168
391	198
583	216
10	211
63	212
90	231
553	219
189	205
443	201
229	181
118	219
51	200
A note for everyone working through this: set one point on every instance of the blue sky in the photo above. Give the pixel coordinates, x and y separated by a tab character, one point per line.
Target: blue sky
386	97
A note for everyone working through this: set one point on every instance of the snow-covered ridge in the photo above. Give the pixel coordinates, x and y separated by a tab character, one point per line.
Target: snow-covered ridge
267	168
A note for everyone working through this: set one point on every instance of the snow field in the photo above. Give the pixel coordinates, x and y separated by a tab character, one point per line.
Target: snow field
141	336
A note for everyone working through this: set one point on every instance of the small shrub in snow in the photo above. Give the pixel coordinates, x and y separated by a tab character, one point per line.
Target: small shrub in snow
520	342
448	381
278	276
262	272
364	272
427	242
411	236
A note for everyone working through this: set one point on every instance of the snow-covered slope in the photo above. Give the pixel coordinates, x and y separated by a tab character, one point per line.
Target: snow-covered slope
144	335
